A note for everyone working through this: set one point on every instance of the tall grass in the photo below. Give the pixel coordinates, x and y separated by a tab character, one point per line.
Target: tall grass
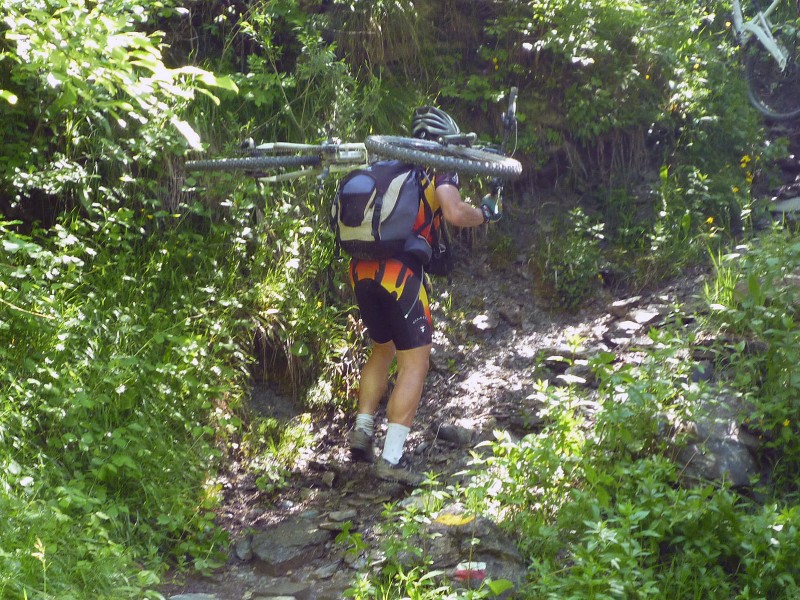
121	345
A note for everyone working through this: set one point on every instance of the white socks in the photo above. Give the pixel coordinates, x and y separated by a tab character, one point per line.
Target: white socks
396	435
365	423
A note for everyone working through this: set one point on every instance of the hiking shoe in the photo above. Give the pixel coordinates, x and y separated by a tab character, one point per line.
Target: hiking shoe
389	472
361	446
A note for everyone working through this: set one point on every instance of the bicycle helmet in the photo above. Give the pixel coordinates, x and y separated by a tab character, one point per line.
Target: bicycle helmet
430	122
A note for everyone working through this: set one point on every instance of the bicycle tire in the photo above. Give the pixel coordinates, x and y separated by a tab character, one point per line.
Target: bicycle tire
252	163
775	93
458	159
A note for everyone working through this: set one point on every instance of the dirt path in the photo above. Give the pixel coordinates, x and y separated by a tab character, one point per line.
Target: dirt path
483	370
481	374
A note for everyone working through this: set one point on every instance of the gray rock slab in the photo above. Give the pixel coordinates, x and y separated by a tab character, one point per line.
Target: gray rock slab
289	545
719	460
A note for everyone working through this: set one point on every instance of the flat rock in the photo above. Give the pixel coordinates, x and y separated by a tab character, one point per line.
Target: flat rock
288	545
343	515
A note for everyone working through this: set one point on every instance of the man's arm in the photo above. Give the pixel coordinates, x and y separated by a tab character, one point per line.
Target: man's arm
455	210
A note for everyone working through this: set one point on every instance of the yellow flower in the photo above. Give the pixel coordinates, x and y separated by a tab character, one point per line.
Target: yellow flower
735	189
786	423
745	161
647	76
710	221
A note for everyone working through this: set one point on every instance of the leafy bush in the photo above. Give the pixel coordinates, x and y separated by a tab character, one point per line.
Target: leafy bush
122	366
89	100
755	299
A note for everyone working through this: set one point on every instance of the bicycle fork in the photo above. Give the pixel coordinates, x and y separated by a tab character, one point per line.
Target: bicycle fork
760	27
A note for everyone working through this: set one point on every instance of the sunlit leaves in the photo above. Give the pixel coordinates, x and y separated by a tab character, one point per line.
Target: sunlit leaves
95	90
119	382
8	97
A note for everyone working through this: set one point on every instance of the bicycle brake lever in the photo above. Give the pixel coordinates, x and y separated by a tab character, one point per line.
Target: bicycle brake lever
510	117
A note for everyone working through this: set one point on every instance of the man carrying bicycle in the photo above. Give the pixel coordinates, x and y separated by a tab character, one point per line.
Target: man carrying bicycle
395	309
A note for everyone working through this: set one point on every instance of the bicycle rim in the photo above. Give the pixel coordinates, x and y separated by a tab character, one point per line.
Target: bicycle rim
252	163
773	92
458	159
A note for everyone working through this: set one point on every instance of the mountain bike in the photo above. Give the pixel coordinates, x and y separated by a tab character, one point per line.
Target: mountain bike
458	153
769	38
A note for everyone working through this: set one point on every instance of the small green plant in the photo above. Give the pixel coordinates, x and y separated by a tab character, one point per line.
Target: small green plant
353	543
567	263
272	449
40	555
502	250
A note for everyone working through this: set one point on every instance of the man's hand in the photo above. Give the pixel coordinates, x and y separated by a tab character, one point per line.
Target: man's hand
490	210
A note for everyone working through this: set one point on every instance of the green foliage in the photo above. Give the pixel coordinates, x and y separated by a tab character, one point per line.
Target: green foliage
272	449
567	262
121	364
613	89
601	511
755	298
689	208
92	97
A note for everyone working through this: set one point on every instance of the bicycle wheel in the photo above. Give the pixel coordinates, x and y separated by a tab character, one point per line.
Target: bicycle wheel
772	91
458	159
252	163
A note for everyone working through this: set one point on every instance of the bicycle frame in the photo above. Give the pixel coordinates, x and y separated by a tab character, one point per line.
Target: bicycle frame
335	156
760	27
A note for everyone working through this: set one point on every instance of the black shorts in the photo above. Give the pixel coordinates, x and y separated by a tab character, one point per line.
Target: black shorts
393	302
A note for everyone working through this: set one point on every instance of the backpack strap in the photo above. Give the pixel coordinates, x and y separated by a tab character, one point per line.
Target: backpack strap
421	175
376	215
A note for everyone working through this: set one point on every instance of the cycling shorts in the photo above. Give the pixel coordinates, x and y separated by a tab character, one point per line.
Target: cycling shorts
393	301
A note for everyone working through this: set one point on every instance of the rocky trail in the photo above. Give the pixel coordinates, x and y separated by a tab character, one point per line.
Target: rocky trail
498	342
483	371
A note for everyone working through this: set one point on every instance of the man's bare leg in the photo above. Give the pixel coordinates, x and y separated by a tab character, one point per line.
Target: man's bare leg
375	377
373	382
412	368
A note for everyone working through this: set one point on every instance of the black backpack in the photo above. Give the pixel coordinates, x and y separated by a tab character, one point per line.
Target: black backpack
375	212
376	215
